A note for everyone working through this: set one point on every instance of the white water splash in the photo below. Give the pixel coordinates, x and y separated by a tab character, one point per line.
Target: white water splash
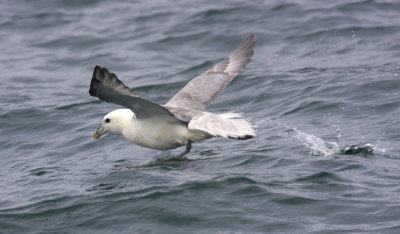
317	145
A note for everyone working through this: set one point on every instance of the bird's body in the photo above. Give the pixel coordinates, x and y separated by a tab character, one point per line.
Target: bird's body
155	133
158	134
183	119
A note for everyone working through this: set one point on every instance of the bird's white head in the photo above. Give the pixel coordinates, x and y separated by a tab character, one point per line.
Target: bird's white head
115	122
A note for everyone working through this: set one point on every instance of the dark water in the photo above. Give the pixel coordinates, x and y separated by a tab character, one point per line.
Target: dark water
322	91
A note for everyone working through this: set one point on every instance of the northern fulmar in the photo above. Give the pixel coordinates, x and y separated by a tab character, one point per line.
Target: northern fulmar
183	119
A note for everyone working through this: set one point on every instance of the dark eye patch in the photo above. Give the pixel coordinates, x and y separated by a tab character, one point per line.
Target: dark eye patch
108	120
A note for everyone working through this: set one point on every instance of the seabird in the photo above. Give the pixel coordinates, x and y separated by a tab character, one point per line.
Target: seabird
183	119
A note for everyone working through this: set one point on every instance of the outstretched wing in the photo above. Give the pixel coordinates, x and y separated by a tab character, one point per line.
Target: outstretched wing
106	86
203	89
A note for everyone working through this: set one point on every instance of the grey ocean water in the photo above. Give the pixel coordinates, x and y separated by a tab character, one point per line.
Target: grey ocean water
322	91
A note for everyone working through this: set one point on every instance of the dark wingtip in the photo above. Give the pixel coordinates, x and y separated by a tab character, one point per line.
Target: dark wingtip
95	81
103	82
100	74
245	137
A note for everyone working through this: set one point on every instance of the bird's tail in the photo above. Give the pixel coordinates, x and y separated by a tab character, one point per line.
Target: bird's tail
226	125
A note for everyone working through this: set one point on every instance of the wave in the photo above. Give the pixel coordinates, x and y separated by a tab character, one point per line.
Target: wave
320	147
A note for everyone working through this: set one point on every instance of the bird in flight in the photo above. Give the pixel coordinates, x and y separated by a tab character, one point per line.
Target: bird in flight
183	119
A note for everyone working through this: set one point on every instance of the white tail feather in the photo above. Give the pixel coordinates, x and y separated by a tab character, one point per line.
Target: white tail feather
230	115
220	125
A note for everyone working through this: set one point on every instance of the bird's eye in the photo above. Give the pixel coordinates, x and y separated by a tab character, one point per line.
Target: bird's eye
108	120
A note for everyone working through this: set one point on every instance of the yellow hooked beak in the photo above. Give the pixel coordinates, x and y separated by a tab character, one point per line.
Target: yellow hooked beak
99	132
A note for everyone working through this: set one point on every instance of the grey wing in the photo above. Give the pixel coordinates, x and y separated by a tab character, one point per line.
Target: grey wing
206	87
106	86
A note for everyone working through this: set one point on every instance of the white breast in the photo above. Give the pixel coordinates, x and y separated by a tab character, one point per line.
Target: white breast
157	134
